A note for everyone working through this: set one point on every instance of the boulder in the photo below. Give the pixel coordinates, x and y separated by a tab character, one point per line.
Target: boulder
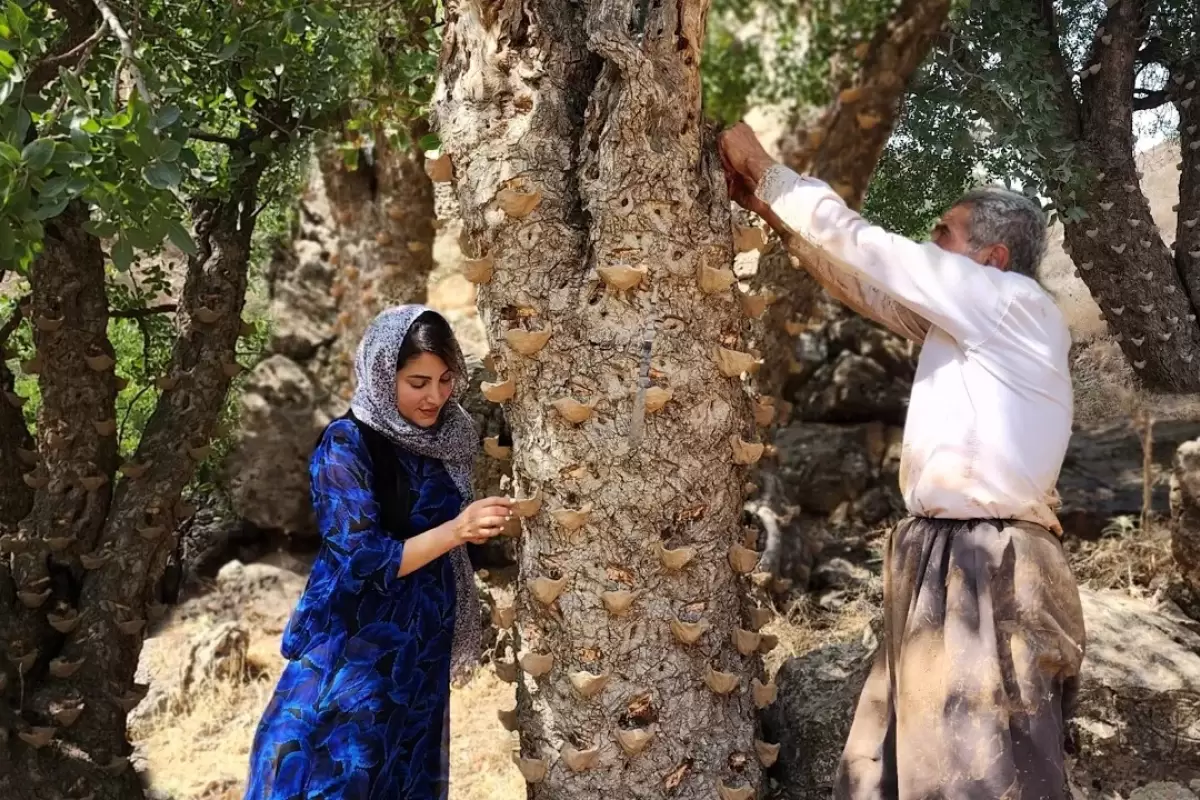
1101	476
284	409
852	388
1137	718
1185	514
823	466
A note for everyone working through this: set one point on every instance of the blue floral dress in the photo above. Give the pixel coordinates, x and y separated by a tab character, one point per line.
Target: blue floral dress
361	711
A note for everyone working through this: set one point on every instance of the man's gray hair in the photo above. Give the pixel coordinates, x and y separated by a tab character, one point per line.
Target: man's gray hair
1002	216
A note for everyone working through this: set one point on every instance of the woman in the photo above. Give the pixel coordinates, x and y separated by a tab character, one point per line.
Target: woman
361	711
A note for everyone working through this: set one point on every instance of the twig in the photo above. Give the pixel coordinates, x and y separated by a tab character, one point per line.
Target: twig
126	47
86	44
140	313
216	138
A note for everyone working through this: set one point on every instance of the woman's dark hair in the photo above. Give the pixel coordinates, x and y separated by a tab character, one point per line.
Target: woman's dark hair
429	333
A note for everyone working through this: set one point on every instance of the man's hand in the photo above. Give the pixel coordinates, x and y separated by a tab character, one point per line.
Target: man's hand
744	159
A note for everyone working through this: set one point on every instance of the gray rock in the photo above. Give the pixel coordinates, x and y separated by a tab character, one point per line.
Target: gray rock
853	388
1138	716
1137	720
1162	790
822	466
1185	514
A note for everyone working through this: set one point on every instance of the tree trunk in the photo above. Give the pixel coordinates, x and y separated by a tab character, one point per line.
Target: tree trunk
1141	287
87	557
590	190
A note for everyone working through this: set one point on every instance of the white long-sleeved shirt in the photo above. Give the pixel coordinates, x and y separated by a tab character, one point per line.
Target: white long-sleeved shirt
990	414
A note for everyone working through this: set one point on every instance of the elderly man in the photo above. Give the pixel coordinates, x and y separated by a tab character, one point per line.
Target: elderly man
983	631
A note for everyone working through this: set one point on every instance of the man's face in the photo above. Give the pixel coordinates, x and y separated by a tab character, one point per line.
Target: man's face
950	234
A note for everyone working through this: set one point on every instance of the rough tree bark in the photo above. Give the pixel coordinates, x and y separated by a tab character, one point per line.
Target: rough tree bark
592	195
85	560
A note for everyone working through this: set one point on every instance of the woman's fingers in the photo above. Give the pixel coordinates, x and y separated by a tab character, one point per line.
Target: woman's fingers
493	521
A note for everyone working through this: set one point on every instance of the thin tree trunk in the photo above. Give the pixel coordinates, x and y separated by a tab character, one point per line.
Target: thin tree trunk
591	190
95	544
1123	260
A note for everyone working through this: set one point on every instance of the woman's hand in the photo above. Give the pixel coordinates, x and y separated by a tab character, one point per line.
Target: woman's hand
482	520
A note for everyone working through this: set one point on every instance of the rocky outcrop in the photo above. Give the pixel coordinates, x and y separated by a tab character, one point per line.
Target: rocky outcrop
1185	519
1137	718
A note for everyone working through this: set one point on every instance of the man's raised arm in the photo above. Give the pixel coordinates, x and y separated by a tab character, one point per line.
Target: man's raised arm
944	289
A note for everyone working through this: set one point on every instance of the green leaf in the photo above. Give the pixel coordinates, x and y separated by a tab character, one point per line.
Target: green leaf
180	237
141	238
430	141
51	209
229	50
17	20
167	116
170	150
53	186
79	139
122	254
37	154
162	175
101	230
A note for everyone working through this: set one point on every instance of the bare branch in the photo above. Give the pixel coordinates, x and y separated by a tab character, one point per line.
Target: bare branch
79	49
139	313
1149	99
126	47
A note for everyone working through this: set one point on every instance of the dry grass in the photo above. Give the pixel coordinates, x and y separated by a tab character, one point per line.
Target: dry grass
1127	557
201	753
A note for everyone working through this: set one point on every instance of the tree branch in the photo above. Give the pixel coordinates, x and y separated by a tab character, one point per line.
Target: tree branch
1149	99
216	138
139	313
80	48
127	52
846	144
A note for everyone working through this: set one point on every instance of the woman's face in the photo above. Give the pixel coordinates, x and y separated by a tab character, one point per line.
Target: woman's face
423	385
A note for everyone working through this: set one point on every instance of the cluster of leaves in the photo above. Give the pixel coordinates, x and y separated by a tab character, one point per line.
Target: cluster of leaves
1000	76
786	53
179	102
